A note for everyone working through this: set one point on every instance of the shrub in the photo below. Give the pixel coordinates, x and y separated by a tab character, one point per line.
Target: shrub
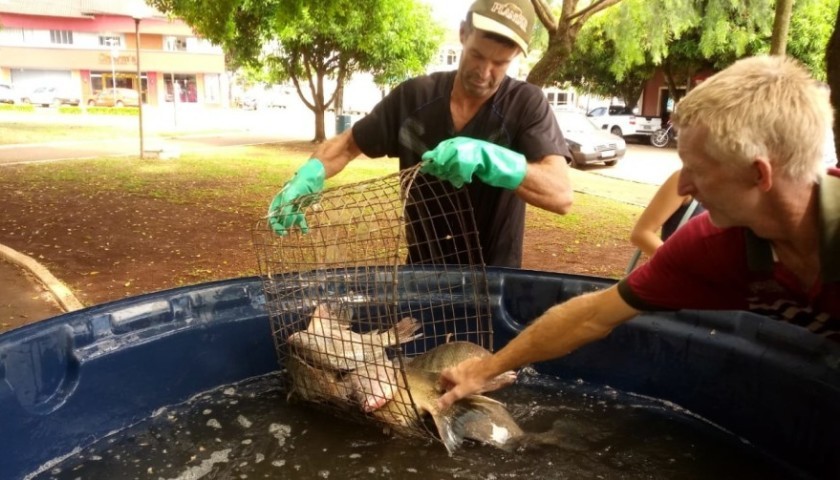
126	111
5	107
70	110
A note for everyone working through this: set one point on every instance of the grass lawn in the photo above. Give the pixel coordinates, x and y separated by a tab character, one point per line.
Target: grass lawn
116	227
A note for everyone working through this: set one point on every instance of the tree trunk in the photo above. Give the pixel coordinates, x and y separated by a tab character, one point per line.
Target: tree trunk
778	44
832	61
559	49
338	102
670	81
320	133
690	71
320	109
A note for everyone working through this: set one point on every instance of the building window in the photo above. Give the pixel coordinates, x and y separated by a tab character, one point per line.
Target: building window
110	41
212	87
12	36
451	57
63	37
182	88
559	98
175	44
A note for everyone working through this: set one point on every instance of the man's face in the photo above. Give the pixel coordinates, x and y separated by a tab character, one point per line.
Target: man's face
484	63
727	192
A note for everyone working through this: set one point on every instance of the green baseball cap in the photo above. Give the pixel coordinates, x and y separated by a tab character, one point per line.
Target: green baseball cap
513	19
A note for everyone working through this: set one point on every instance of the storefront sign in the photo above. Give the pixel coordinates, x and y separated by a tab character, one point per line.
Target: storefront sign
105	59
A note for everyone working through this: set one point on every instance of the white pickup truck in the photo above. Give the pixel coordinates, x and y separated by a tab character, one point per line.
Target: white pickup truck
621	121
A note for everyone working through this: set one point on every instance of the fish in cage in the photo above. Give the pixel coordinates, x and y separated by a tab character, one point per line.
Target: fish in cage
389	269
406	401
357	361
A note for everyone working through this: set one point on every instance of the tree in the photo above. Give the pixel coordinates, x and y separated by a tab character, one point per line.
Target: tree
702	35
622	46
811	25
309	43
589	68
832	61
781	25
562	34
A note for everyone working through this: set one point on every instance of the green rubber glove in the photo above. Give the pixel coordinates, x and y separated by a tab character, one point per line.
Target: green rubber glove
285	210
458	159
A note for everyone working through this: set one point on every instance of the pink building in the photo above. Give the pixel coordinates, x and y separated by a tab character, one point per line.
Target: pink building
656	101
88	45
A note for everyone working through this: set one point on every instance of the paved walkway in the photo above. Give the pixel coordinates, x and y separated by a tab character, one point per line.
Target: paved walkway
24	299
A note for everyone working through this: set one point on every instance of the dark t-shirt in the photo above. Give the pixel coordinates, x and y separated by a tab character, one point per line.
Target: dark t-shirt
517	117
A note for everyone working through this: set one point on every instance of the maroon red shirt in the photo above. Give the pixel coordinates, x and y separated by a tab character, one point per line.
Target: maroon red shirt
704	267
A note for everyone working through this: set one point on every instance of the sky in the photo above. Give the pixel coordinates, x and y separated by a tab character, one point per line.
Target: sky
449	12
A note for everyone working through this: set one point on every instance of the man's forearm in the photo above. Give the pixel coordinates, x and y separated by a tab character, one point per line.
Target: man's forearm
547	185
337	152
564	328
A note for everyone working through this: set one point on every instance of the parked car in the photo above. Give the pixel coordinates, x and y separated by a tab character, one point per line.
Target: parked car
49	95
247	102
8	94
588	143
279	97
115	97
623	121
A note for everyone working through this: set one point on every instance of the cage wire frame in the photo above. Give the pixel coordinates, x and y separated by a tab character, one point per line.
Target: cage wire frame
390	268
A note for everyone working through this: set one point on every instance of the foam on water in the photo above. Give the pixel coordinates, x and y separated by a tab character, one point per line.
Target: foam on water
249	430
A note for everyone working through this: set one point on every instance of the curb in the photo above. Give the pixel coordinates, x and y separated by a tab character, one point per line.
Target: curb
65	298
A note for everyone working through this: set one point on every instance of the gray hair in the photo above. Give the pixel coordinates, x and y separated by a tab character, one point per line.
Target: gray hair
762	106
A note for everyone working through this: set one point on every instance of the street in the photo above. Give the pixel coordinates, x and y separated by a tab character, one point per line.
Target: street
642	163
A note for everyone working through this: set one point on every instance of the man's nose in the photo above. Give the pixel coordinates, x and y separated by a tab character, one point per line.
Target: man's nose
484	68
685	186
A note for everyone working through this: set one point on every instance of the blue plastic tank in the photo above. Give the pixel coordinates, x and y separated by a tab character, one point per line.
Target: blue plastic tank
72	379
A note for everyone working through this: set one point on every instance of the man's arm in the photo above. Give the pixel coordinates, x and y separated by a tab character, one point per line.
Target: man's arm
284	213
546	185
543	183
560	330
337	152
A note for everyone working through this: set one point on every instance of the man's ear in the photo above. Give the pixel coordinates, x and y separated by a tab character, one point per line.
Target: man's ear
763	171
463	32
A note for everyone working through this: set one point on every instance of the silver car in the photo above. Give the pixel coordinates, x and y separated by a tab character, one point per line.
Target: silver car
588	143
8	94
49	95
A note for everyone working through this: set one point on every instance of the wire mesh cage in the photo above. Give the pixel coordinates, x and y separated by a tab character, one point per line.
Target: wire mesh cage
389	269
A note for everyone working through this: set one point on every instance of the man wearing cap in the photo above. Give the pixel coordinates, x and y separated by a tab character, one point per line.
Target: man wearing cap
492	134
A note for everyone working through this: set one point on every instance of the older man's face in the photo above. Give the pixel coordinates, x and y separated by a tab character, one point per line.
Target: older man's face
726	191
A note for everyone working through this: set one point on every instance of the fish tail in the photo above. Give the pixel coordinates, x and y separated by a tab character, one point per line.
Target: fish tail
449	429
457	422
404	331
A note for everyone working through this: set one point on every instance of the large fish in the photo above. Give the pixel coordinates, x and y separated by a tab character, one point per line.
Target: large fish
329	341
475	417
329	362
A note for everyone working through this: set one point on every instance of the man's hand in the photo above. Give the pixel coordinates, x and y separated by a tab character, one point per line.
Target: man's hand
458	159
285	211
463	380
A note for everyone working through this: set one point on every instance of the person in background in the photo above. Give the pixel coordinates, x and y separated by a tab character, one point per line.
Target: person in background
751	144
830	153
829	148
666	212
492	134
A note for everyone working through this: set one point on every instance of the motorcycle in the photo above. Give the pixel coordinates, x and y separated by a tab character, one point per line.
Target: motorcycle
662	137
